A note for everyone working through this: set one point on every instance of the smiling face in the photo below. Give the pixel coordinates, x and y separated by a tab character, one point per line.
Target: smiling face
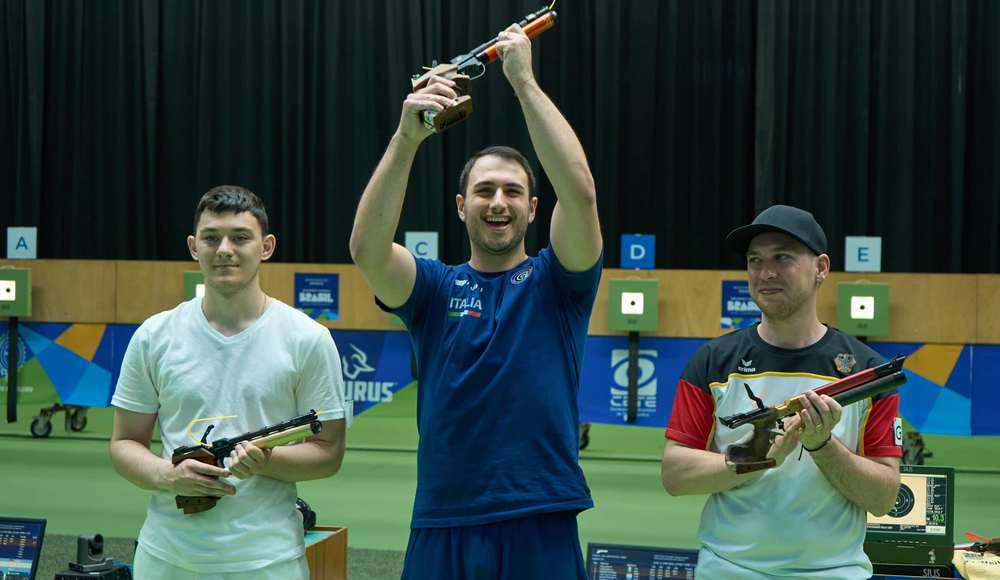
229	247
497	206
784	275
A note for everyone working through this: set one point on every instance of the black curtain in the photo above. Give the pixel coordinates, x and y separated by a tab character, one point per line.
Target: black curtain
882	118
879	116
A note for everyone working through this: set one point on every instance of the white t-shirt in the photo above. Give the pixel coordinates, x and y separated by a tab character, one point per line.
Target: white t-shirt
181	368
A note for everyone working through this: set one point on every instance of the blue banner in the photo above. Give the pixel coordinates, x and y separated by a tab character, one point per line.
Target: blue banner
375	365
76	364
738	308
604	381
318	295
950	387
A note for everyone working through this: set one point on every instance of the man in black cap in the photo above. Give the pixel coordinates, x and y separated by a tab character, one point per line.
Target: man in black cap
804	518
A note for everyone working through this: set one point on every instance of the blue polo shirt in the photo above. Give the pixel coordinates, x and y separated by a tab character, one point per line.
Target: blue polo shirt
499	358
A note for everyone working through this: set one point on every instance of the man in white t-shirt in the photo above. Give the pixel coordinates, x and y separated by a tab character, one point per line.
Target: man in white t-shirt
235	352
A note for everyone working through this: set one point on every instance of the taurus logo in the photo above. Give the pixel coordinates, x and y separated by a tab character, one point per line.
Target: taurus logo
356	363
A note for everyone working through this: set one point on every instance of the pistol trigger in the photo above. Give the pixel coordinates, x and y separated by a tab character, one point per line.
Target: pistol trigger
781	425
204	438
753	397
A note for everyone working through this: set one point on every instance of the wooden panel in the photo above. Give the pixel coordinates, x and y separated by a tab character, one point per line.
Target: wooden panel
694	301
988	291
145	288
327	558
689	300
357	304
943	308
70	290
922	307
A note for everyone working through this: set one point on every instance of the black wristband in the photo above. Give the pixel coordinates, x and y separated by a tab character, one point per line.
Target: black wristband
821	445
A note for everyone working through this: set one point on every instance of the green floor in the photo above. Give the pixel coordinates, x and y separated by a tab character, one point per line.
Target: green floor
68	479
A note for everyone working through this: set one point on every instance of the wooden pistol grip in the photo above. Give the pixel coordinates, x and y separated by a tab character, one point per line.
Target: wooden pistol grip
751	466
448	71
196	504
440	122
751	455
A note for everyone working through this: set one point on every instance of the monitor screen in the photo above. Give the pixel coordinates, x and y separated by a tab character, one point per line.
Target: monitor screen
921	506
20	547
612	562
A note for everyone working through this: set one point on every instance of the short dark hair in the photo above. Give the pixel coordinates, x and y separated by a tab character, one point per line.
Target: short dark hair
232	198
503	152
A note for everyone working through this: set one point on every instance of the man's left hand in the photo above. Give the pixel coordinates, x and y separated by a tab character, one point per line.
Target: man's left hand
514	49
247	460
820	414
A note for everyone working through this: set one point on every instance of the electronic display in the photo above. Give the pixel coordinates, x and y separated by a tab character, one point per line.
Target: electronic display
921	506
20	547
613	562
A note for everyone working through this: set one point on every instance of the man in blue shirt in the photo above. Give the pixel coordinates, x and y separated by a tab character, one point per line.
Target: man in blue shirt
499	343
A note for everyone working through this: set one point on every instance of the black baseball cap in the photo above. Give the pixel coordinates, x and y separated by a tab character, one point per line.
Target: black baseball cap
786	219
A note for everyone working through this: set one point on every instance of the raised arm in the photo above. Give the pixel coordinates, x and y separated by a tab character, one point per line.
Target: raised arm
576	231
388	267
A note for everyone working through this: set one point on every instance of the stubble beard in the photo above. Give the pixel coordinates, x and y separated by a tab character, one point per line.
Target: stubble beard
479	236
784	309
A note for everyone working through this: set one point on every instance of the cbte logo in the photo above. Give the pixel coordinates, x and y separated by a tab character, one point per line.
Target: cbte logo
356	363
646	381
22	353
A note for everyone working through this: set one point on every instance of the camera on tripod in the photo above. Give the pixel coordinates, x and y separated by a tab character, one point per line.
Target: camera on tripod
91	563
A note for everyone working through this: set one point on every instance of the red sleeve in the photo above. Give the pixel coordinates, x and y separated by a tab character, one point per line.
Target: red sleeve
692	419
880	437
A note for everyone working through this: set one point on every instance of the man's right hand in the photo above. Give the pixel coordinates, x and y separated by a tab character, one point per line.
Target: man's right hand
786	442
196	479
437	95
